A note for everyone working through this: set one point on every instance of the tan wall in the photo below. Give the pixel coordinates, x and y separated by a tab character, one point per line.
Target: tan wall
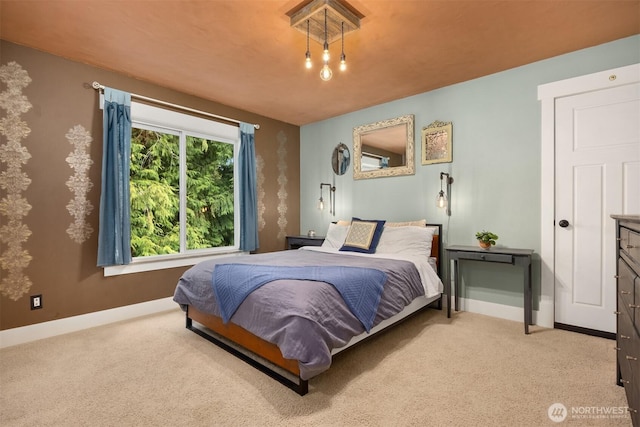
64	271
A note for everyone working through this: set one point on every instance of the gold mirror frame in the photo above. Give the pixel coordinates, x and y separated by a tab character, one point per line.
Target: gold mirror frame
409	164
437	143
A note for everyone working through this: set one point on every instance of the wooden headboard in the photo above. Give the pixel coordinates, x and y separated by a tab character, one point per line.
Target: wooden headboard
436	247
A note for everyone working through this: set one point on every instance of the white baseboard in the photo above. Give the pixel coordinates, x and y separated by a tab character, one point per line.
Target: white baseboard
24	334
501	311
546	313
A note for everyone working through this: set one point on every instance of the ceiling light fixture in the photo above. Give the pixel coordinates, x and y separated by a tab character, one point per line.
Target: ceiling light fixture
325	21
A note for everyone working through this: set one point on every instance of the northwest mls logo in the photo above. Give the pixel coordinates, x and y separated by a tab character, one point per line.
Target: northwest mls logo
557	412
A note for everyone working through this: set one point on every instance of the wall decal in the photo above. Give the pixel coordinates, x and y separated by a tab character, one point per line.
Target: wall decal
282	181
79	184
14	206
261	193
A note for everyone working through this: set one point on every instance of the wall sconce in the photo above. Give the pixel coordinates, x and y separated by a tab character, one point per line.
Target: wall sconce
442	201
332	199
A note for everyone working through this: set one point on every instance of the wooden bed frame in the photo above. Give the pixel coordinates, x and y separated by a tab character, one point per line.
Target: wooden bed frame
266	356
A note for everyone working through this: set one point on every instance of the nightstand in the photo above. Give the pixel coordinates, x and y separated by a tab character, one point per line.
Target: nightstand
521	257
295	242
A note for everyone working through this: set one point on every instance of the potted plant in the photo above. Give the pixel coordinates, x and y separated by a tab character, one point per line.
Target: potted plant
486	239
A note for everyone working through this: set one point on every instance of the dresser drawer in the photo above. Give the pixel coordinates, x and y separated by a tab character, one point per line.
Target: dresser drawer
626	286
631	386
630	378
629	364
630	243
486	256
635	307
628	342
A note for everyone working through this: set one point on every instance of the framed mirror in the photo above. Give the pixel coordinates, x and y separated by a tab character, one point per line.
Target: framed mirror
340	159
384	148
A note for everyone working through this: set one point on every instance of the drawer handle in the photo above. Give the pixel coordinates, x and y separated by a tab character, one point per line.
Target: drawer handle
625	337
634	306
617	348
630	409
630	246
631	358
624	381
625	292
617	312
616	277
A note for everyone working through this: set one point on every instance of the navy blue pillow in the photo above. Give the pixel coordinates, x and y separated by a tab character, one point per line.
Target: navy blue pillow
363	235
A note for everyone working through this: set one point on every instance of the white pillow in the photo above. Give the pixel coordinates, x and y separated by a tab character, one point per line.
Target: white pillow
408	240
417	223
336	235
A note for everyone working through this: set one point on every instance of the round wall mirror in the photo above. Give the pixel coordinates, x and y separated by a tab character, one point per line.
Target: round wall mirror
340	159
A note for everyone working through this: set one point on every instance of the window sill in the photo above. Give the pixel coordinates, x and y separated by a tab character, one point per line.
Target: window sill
141	265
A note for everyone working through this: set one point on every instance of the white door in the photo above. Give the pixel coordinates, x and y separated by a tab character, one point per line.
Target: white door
597	174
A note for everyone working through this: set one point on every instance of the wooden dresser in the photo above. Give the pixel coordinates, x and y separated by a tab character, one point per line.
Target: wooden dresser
628	310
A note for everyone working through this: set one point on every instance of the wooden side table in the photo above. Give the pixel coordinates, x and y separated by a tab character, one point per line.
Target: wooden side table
521	257
295	242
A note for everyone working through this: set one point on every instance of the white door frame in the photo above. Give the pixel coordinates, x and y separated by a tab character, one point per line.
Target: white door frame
547	94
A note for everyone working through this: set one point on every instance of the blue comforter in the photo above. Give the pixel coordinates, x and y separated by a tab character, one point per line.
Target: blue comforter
360	288
305	319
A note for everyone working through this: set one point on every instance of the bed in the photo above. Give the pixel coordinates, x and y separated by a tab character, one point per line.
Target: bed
288	313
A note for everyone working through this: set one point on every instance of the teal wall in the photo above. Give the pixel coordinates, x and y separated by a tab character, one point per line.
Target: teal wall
496	163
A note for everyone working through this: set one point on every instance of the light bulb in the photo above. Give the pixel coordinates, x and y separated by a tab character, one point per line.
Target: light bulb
307	61
343	62
441	200
325	52
326	73
320	204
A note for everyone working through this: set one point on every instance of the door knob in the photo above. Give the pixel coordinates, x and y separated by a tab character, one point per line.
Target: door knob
563	223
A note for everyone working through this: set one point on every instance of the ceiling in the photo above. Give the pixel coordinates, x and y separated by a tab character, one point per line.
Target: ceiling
244	54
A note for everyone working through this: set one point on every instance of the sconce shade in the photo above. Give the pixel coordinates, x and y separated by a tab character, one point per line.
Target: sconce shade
442	200
332	198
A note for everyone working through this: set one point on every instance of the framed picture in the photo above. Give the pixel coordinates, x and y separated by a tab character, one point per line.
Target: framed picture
437	143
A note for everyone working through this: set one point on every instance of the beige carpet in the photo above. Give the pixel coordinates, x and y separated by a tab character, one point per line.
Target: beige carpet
430	370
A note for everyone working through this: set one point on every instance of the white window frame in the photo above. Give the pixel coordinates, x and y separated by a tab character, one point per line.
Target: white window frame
145	116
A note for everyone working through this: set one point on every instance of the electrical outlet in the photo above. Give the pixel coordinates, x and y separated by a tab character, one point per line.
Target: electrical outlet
36	302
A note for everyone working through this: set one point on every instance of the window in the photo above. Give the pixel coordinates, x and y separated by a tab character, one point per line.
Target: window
184	201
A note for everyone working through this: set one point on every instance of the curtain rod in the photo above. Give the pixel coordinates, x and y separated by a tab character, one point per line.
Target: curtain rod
98	86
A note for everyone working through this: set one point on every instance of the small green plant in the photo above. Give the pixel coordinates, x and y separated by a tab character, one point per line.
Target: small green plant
487	237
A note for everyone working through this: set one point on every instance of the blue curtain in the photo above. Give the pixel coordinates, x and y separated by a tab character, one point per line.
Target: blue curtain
114	236
248	191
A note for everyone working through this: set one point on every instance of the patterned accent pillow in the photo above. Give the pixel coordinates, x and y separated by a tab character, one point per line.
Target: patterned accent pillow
363	236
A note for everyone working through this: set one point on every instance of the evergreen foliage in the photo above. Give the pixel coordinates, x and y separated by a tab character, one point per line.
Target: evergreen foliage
155	193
